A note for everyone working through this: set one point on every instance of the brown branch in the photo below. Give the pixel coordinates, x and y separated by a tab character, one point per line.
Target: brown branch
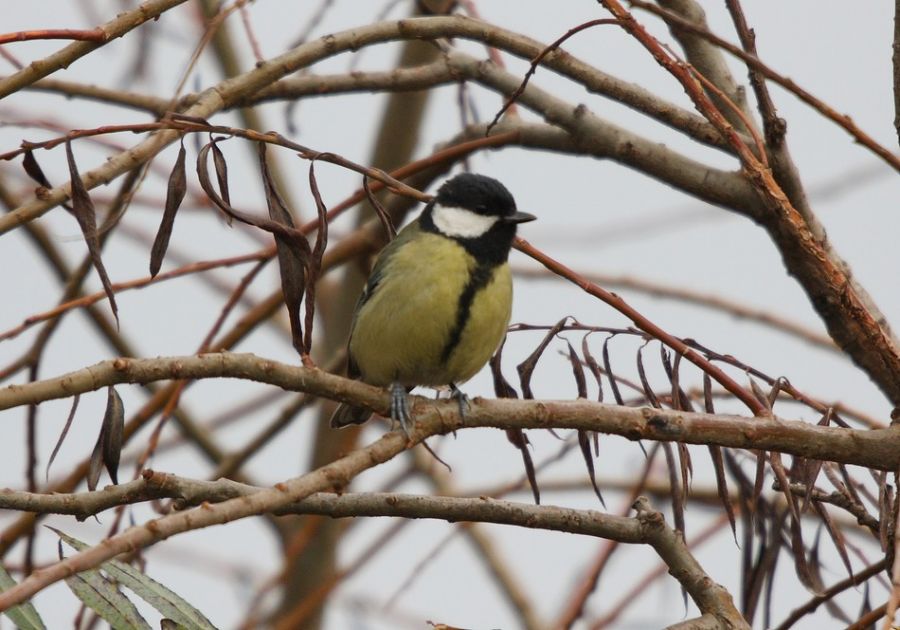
122	24
139	283
639	320
856	327
773	126
299	496
706	300
228	93
875	448
351	246
830	593
842	120
92	35
508	581
728	97
511	100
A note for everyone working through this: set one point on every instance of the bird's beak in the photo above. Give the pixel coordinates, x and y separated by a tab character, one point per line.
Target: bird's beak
519	217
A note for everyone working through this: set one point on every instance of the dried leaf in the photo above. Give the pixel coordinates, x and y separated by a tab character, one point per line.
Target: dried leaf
760	475
645	384
801	566
221	167
96	464
63	434
113	431
293	254
784	483
715	452
502	387
779	384
175	192
108	447
315	264
708	405
577	371
885	512
866	606
617	395
518	439
584	442
674	489
809	469
761	396
763	572
34	170
526	367
593	366
836	536
83	209
389	230
687	468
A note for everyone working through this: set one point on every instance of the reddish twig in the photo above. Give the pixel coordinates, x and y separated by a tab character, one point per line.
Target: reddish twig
537	60
842	120
92	35
139	283
646	325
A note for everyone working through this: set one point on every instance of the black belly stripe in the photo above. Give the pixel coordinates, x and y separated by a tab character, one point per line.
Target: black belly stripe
480	277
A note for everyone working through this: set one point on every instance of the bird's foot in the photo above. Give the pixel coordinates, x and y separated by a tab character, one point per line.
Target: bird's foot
400	407
461	399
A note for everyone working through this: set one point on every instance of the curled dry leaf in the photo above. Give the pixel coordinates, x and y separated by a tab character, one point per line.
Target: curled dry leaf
314	267
63	433
108	448
34	170
221	167
592	366
517	437
83	209
526	367
383	216
584	437
293	253
175	192
614	386
502	387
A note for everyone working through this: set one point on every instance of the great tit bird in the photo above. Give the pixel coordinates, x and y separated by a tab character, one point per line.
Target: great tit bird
438	300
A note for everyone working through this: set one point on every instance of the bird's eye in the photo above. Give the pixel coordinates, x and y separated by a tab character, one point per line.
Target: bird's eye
482	209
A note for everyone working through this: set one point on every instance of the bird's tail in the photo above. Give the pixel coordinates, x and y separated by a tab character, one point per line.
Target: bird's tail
347	414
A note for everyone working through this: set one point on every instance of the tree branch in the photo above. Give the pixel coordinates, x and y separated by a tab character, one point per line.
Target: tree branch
229	93
304	495
64	58
875	448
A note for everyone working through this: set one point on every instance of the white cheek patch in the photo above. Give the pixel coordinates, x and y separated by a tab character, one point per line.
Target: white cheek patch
460	222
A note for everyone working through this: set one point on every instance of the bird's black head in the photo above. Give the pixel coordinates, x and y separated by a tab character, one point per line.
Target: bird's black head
478	193
479	213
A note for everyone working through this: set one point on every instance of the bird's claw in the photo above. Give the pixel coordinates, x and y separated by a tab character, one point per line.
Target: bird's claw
400	407
461	399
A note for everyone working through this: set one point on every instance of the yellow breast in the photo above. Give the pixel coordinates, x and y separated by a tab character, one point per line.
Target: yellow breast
401	332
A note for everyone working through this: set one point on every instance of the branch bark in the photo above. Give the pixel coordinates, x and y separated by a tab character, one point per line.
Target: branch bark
304	495
875	448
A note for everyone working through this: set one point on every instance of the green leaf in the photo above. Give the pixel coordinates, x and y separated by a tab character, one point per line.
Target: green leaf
105	599
165	601
24	615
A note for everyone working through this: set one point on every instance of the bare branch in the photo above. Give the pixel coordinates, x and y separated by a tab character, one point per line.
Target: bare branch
113	29
303	495
876	448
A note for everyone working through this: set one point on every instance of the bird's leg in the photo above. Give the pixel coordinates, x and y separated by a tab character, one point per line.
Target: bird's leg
400	406
461	399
